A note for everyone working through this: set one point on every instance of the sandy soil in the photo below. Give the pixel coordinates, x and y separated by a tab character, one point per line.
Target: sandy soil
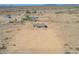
33	40
61	36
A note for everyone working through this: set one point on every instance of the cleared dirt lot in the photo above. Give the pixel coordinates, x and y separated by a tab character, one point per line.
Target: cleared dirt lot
61	35
34	40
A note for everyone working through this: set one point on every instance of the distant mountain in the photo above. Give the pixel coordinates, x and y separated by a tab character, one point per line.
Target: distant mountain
14	5
61	4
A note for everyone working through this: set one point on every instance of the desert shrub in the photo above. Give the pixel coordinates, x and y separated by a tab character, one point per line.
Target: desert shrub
59	12
70	48
67	52
27	18
34	11
3	47
28	11
66	44
13	21
77	21
14	44
22	21
77	48
6	38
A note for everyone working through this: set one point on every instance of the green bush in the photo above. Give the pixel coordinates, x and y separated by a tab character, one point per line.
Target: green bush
13	21
59	12
27	18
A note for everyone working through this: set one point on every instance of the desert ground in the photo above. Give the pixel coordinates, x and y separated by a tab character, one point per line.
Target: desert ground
39	30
